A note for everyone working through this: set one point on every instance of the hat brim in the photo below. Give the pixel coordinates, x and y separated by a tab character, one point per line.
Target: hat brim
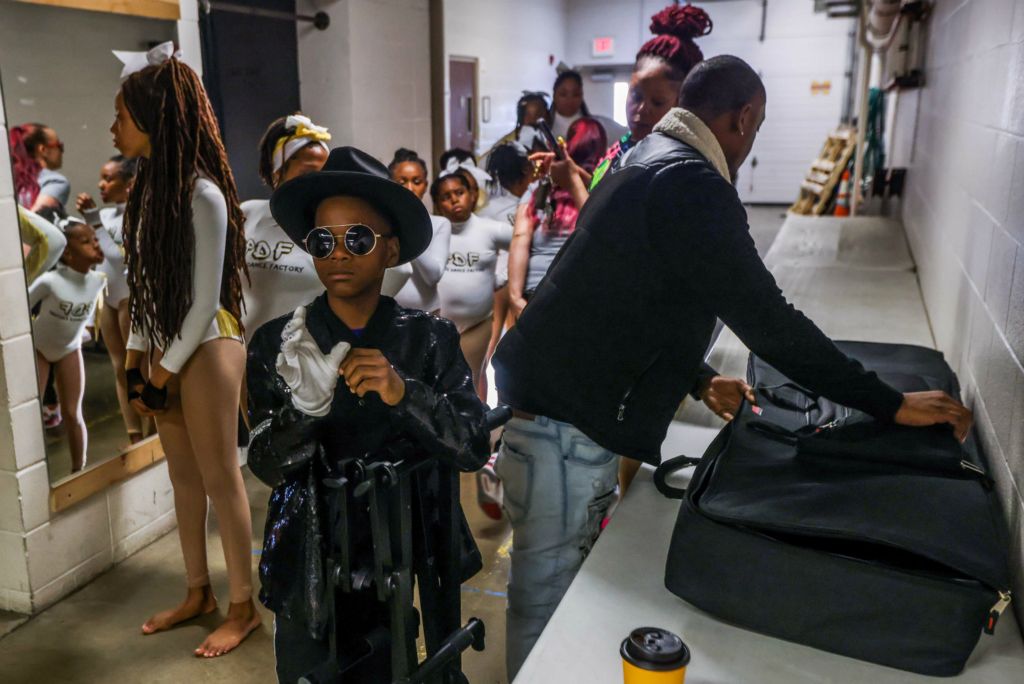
294	206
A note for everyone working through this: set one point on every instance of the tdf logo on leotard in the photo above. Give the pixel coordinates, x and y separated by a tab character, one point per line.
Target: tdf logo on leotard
74	311
263	250
459	261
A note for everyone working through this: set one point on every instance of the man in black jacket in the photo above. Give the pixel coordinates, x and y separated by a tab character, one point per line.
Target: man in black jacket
615	334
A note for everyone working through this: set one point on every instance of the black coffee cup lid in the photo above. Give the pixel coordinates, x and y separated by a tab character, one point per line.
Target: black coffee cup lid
652	648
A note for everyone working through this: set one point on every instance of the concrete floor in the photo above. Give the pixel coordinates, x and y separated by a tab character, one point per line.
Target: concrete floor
93	635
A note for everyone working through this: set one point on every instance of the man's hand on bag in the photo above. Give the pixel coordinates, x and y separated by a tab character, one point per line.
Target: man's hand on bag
723	395
311	375
368	370
921	409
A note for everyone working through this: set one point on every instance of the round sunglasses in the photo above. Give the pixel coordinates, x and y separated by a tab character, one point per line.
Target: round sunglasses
359	240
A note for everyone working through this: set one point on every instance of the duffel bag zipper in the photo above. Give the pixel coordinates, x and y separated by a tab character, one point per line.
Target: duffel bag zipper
629	391
971	469
997	611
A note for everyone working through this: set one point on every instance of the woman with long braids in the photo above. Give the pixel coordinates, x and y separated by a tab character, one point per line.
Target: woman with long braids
185	254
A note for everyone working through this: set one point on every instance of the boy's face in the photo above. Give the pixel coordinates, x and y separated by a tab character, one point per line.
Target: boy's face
343	274
83	249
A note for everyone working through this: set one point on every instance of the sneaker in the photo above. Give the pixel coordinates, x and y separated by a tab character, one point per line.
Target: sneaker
51	417
489	494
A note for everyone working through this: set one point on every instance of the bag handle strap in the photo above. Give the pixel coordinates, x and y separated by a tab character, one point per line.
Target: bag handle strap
669	467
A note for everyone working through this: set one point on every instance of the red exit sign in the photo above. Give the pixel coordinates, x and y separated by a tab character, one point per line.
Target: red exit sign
603	46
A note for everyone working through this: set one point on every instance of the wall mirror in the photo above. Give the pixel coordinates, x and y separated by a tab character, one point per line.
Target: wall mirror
59	80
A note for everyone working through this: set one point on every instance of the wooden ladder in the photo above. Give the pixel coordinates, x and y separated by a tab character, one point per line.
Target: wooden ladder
819	184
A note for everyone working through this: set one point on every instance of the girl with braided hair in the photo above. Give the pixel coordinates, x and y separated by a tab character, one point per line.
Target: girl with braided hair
185	257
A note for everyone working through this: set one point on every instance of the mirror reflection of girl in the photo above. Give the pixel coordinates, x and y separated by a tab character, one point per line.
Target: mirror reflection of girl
281	274
467	288
116	177
36	154
67	297
185	251
420	292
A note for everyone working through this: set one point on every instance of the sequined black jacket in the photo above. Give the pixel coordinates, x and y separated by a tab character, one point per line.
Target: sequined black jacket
292	452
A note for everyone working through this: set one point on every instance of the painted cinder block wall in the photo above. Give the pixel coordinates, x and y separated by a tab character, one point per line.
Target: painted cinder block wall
962	139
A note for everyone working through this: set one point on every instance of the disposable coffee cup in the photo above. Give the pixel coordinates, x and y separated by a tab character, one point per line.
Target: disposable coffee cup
654	656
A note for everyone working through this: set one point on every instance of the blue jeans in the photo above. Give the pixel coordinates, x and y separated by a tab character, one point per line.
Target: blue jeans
559	484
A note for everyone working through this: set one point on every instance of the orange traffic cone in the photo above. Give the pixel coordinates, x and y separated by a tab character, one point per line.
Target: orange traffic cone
843	199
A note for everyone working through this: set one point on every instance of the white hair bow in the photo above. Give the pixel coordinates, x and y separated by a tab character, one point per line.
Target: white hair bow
137	61
301	131
479	174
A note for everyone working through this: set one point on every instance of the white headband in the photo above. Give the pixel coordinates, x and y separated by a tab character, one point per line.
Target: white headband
301	132
478	174
137	61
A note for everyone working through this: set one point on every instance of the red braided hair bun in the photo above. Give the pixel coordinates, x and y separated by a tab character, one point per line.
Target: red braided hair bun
675	27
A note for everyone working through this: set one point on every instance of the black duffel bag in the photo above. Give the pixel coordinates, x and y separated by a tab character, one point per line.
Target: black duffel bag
811	522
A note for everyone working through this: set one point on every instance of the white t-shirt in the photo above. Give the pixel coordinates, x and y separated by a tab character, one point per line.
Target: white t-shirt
68	300
467	288
420	291
501	208
281	273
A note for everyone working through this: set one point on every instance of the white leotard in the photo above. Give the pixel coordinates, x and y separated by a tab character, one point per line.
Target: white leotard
467	288
427	269
281	273
205	319
110	233
68	299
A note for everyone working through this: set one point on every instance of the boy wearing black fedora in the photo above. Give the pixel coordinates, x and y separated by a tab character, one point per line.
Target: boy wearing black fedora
341	377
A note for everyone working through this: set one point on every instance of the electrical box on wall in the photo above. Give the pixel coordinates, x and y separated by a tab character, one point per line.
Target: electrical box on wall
602	46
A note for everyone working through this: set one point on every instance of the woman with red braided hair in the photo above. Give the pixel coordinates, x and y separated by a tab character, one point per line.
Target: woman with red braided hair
659	71
185	257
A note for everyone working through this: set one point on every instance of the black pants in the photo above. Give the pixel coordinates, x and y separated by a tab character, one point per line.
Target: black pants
298	653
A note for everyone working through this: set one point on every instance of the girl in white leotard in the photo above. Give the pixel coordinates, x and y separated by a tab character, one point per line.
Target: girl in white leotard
115	322
420	292
281	273
467	288
185	253
67	297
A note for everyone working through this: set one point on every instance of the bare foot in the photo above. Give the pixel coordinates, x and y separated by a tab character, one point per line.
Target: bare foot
199	601
241	621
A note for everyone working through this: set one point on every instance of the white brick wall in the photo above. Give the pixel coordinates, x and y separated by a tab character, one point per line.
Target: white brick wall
964	215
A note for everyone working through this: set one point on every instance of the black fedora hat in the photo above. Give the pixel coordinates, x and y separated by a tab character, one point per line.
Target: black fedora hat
352	172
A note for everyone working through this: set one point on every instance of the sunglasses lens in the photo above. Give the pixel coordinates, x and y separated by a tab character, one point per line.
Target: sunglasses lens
320	243
359	240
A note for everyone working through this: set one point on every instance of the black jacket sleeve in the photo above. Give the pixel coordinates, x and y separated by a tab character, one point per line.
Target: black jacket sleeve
704	229
446	418
283	439
704	375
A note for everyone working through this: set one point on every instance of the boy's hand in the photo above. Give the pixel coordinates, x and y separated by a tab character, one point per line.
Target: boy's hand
723	396
311	375
367	370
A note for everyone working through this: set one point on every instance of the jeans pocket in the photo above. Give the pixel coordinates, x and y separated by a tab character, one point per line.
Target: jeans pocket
585	452
597	511
515	470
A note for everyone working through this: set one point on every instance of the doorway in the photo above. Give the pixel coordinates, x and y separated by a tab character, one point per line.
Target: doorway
250	86
462	103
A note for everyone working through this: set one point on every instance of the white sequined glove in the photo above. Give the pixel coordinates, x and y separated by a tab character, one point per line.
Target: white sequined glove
311	376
